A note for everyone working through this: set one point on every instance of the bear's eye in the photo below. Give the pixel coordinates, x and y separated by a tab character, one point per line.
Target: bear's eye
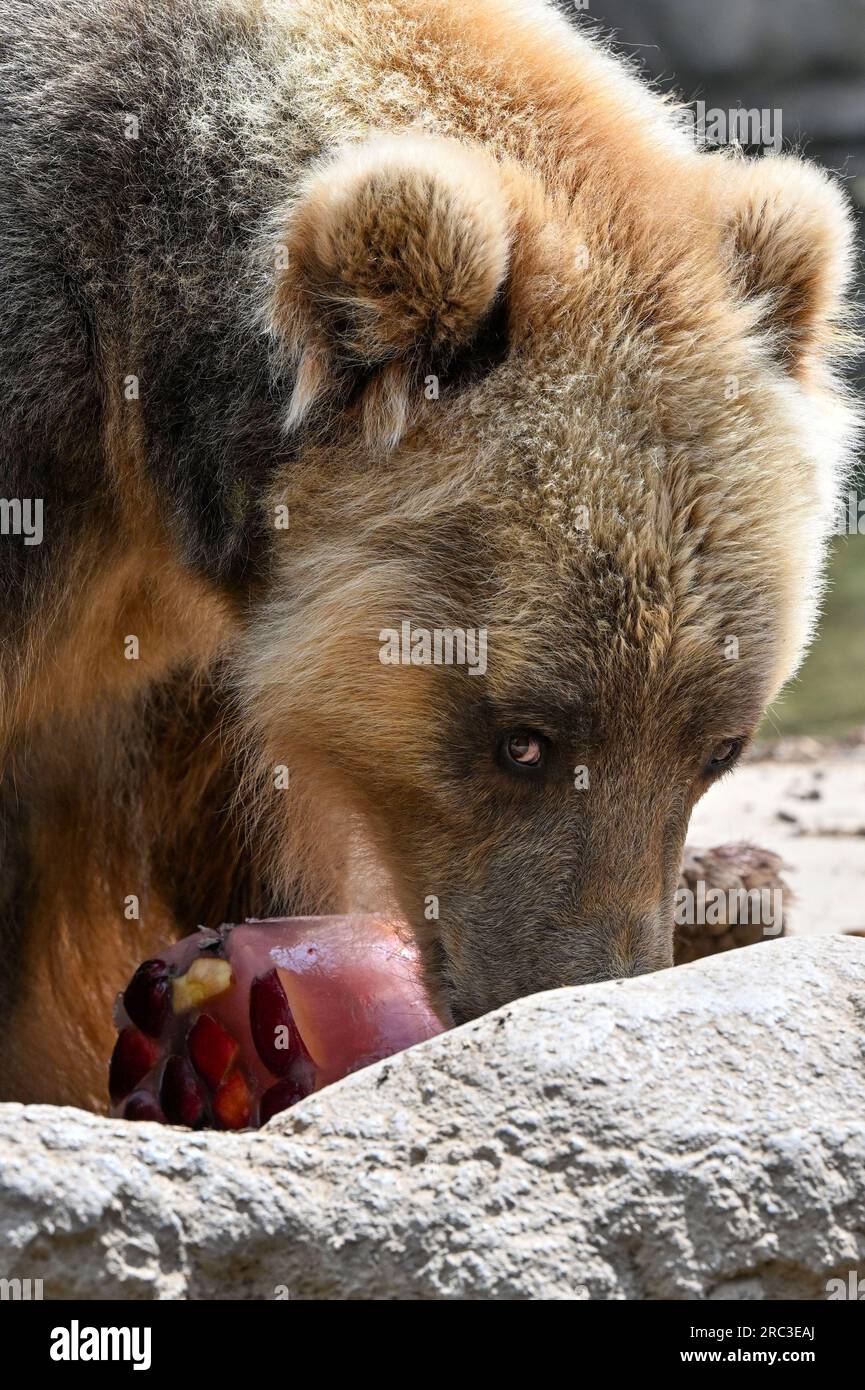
524	748
724	754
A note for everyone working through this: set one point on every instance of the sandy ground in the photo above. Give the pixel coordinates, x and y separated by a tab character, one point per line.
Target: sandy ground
809	809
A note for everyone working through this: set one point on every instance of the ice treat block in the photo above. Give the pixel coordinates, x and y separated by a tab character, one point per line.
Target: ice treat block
228	1027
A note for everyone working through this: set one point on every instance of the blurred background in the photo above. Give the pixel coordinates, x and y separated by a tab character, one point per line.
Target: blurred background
805	58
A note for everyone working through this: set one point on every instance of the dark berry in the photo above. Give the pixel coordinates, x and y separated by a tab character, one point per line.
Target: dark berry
132	1058
279	1097
181	1093
142	1107
273	1027
147	999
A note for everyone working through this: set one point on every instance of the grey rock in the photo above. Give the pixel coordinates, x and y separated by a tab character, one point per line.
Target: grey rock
698	1133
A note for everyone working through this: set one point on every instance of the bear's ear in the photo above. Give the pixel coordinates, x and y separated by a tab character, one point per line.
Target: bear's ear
394	252
791	243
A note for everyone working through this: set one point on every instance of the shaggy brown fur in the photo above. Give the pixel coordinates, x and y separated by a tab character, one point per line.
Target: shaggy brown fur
240	313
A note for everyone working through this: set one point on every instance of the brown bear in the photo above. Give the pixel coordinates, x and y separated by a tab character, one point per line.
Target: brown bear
417	458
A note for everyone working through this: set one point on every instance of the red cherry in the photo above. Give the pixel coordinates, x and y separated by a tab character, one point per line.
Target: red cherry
182	1097
212	1049
132	1059
273	1028
147	999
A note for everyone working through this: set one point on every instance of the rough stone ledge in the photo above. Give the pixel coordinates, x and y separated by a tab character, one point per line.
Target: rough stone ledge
698	1133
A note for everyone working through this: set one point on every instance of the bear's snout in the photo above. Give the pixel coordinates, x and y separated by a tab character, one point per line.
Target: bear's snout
484	972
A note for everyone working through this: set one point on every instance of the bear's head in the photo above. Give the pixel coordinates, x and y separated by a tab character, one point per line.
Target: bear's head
564	465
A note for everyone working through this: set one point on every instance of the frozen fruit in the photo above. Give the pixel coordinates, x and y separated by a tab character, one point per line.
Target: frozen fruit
273	1030
231	1104
285	1093
142	1107
205	978
229	1027
212	1049
133	1056
182	1094
147	999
